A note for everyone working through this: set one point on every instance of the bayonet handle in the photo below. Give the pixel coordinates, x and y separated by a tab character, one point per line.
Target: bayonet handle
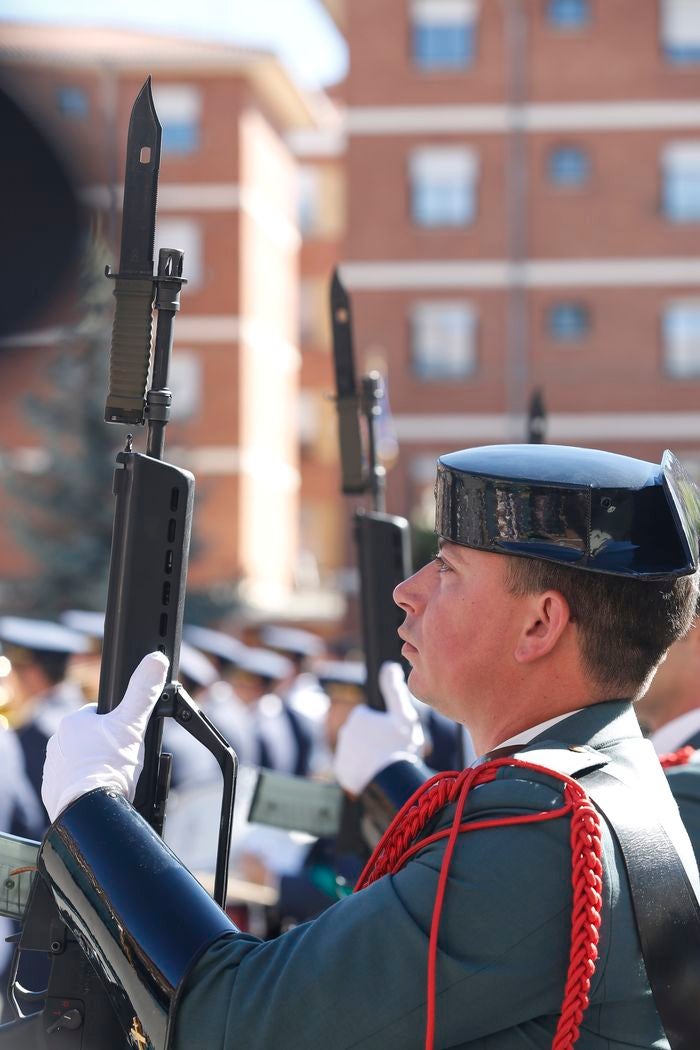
130	356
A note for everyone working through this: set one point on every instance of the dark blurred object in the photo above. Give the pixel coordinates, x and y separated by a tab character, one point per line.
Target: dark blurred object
537	419
42	224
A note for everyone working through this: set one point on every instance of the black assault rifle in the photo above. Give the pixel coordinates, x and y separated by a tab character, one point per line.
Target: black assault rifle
145	601
384	560
382	540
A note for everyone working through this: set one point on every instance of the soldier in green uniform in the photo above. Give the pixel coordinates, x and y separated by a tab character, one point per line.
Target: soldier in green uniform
670	712
500	911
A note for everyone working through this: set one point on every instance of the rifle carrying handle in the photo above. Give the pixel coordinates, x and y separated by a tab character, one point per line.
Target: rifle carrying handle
131	349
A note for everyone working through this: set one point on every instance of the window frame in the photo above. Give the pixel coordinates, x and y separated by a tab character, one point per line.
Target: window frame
560	25
426	192
465	20
420	373
677	57
179	107
670	181
669	373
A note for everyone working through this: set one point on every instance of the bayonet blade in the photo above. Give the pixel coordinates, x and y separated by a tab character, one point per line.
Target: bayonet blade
130	355
347	400
341	319
140	186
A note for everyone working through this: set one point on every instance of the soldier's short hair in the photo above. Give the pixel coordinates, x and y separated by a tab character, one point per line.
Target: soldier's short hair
625	624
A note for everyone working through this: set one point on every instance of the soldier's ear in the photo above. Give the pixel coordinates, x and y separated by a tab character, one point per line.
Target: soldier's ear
547	618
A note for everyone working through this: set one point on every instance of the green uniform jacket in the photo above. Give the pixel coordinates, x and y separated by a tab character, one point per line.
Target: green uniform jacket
684	782
356	976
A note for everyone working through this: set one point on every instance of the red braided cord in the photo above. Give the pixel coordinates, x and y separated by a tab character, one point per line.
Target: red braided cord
677	758
398	844
587	884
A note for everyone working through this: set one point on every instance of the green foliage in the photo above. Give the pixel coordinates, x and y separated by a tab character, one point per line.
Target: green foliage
63	512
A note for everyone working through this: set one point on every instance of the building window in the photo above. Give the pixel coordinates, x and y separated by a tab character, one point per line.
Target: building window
568	166
308	201
568	322
186	236
314	320
681	182
443	33
320	200
443	340
681	339
680	31
179	111
568	14
185	382
443	186
72	102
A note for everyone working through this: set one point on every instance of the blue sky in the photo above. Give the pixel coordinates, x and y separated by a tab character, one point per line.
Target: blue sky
299	31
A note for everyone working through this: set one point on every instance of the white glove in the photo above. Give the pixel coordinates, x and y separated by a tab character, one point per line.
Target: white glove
371	740
89	750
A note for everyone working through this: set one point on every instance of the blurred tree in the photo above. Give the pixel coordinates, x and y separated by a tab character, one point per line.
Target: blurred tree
63	513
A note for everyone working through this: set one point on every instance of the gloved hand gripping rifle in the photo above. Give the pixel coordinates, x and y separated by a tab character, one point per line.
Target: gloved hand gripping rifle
145	601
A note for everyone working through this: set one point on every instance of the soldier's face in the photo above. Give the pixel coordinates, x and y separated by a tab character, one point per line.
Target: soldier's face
460	630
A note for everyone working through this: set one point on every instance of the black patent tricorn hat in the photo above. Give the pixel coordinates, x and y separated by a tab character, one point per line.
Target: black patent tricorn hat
580	507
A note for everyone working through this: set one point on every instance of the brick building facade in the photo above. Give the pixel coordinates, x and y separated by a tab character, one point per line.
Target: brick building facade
524	211
513	188
227	197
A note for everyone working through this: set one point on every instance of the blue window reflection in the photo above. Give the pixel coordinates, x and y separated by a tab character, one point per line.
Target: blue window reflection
442	203
568	322
568	14
681	337
679	54
72	102
180	136
443	45
681	188
568	166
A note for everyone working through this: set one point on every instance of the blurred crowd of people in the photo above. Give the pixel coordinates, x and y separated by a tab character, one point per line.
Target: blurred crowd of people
279	698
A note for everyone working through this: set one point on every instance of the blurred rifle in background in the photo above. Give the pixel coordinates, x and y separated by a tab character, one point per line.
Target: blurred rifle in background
537	419
382	540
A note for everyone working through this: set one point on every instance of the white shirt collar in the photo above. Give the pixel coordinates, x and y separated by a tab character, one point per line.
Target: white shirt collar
675	733
526	735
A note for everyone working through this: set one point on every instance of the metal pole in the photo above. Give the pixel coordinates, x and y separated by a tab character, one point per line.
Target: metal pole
517	350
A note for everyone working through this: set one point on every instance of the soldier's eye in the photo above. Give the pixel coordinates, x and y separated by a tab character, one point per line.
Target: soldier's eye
441	563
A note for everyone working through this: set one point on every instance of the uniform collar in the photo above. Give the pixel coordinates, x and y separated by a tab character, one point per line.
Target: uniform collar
526	735
598	725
